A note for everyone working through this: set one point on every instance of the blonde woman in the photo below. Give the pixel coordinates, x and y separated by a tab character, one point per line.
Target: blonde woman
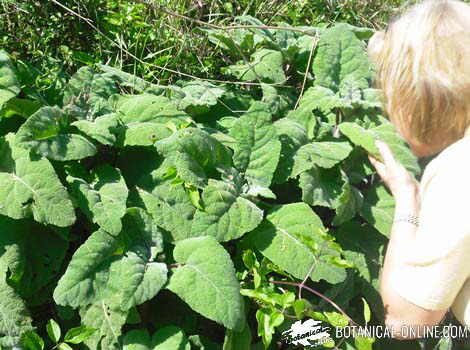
422	65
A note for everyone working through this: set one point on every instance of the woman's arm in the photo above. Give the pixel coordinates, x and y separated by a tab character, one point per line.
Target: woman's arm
398	311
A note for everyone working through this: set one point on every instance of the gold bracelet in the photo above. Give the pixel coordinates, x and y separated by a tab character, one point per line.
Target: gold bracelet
413	219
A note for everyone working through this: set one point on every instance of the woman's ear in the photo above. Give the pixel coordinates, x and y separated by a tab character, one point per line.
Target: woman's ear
375	45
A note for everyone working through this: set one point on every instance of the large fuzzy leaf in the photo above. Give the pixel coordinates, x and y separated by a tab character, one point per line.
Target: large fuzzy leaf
378	208
150	108
107	321
360	137
266	66
170	337
200	94
87	92
226	215
324	154
258	149
321	186
385	132
316	101
195	154
47	133
117	270
206	281
14	316
147	119
23	241
365	248
348	203
291	237
104	198
292	136
15	319
101	129
168	203
9	85
31	186
341	60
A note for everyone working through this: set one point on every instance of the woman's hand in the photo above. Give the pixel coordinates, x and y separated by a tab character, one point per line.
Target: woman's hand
400	182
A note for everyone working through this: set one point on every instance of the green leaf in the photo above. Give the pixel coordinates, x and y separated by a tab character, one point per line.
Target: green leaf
137	339
9	85
268	320
361	137
64	346
19	247
387	132
200	94
258	150
315	102
340	59
126	79
108	321
348	203
169	204
15	319
32	341
238	340
78	334
35	184
101	129
202	343
195	154
46	133
150	108
292	136
226	215
87	92
53	330
366	311
116	269
206	281
321	187
445	343
287	237
364	246
323	154
21	106
279	99
103	199
170	337
147	119
364	343
379	208
265	66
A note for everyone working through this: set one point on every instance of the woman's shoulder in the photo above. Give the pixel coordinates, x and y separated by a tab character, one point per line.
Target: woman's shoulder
451	162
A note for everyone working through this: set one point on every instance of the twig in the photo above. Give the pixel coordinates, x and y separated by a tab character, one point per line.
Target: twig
314	44
311	290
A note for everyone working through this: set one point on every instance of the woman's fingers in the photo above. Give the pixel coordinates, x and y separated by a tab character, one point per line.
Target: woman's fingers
385	152
379	166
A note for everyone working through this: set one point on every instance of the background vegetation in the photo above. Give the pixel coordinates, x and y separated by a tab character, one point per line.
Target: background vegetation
49	36
167	43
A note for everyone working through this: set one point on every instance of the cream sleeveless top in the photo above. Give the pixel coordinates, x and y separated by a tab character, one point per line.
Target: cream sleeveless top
436	274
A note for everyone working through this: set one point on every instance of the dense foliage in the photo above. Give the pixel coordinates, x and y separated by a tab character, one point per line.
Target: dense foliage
142	216
59	39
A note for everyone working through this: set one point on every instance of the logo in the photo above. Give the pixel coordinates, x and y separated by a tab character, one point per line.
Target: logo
306	333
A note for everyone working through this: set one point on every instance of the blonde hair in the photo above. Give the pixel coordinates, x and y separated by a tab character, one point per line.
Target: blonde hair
422	65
